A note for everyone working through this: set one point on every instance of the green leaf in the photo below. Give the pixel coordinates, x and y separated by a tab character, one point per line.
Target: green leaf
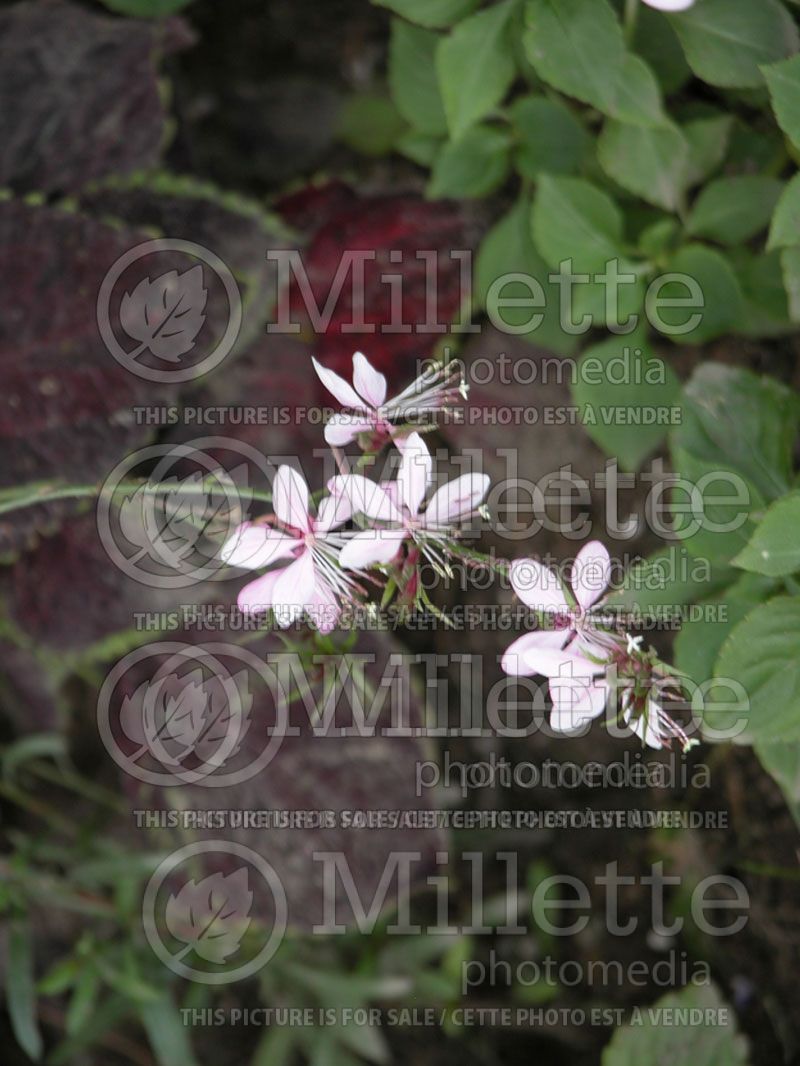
412	77
651	1042
785	229
21	989
710	278
753	150
774	548
726	41
669	578
659	237
60	977
657	42
508	249
577	47
472	166
573	219
627	396
420	148
166	1032
790	264
651	162
765	310
743	426
708	139
431	13
276	1047
783	80
763	655
475	66
83	1000
370	123
638	99
698	644
149	9
732	210
35	746
549	136
744	422
782	763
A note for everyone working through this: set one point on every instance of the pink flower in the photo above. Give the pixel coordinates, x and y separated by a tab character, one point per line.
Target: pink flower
583	677
541	590
670	5
399	504
367	409
311	580
578	687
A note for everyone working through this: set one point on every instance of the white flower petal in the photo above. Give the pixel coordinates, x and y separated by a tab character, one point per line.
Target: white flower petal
332	512
457	499
670	5
647	726
575	703
368	381
290	499
371	547
338	387
257	595
591	573
252	547
324	610
366	497
565	663
294	589
343	428
538	587
515	660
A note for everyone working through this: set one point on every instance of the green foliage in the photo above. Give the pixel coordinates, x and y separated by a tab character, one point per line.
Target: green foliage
783	80
651	162
431	13
370	123
475	66
575	103
763	655
412	77
774	548
732	210
148	9
651	1041
577	47
727	41
472	166
551	139
21	989
510	278
626	394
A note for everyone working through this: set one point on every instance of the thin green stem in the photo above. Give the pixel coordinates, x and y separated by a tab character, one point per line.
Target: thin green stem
47	492
631	15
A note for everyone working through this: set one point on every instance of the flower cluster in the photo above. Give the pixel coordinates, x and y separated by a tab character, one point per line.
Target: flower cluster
314	566
589	665
319	558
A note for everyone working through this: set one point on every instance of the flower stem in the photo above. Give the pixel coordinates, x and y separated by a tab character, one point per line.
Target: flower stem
48	492
631	15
